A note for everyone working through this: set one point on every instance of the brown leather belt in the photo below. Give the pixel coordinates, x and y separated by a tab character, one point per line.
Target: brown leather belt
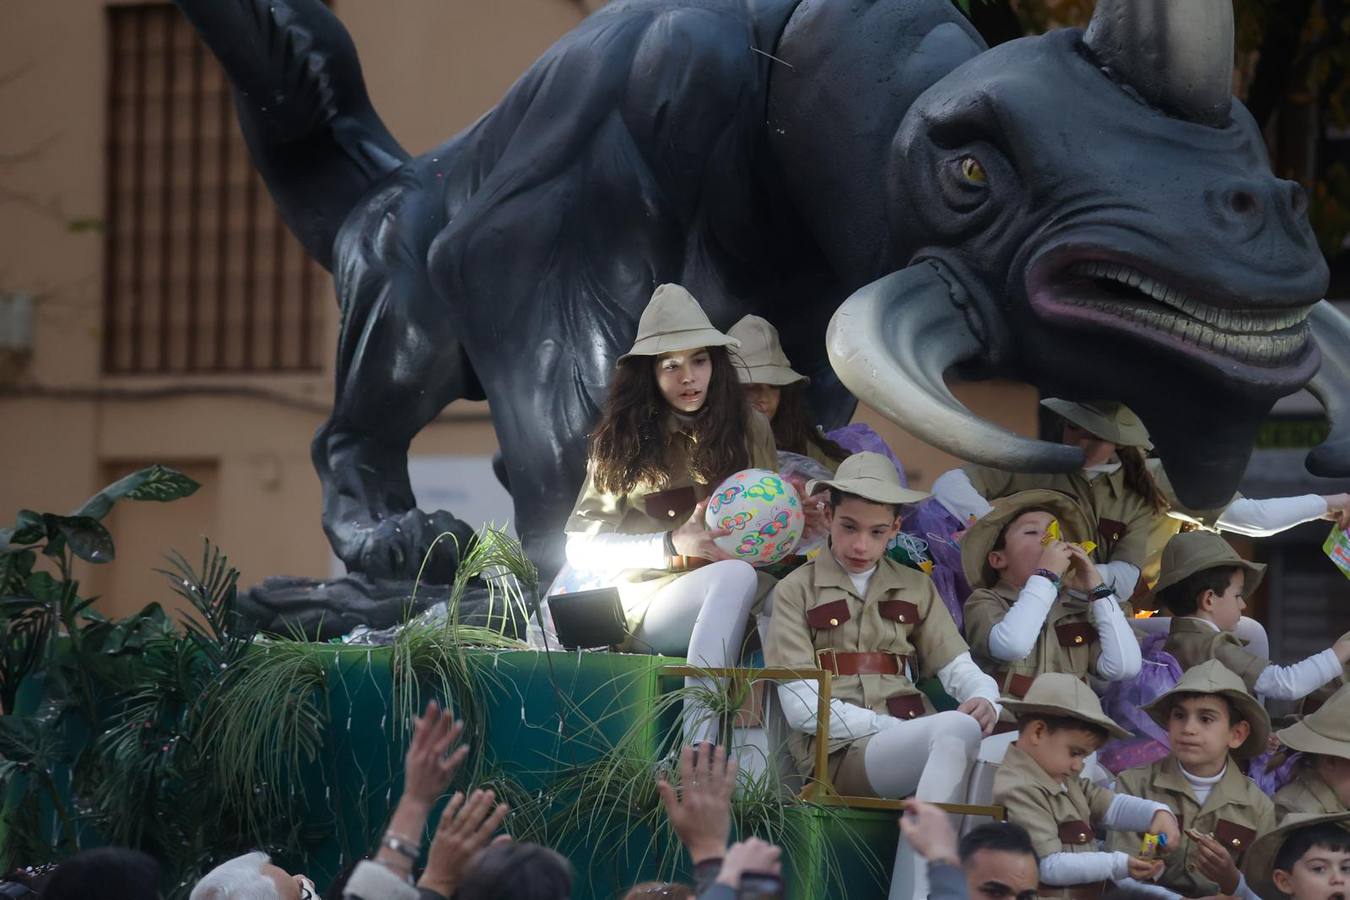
687	563
861	663
1091	891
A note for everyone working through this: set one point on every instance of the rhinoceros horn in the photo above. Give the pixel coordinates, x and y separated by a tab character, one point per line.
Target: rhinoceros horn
1175	54
890	343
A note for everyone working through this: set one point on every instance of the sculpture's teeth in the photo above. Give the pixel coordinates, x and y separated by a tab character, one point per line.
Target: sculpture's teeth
1237	321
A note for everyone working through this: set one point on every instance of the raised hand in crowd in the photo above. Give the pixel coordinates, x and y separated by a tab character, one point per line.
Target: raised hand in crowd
751	856
929	832
694	538
700	812
466	826
428	766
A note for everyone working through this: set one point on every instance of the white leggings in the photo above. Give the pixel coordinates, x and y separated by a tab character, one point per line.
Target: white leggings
930	759
702	616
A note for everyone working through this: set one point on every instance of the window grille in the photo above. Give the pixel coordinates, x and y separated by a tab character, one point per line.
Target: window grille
200	272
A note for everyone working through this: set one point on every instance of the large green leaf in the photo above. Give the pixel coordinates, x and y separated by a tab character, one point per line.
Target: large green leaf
85	535
28	529
15	567
159	483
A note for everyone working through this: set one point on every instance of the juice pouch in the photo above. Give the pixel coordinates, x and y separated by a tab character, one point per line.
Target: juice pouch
1337	547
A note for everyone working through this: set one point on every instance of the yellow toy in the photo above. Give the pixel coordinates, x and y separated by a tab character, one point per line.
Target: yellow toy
1052	535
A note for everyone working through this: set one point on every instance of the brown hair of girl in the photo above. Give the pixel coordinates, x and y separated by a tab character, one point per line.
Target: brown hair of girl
1138	479
792	427
628	445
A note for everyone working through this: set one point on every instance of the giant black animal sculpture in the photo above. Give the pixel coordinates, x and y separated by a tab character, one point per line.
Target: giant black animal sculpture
1088	212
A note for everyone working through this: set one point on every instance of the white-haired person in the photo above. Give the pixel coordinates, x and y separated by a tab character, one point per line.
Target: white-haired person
252	876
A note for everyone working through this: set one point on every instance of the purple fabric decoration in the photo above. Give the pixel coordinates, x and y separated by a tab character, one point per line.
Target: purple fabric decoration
932	523
1270	779
1124	702
858	437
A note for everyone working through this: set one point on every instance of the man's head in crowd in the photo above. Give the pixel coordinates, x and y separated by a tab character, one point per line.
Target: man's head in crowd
1314	863
252	877
109	873
517	870
999	863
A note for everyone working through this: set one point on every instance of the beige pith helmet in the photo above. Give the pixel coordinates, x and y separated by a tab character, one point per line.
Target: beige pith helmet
870	476
674	321
1326	731
1114	422
981	537
1260	864
1213	677
761	358
1196	551
1061	695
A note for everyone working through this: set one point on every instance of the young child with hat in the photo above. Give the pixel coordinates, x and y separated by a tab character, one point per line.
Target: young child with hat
779	393
674	425
1039	603
1322	782
1113	486
1203	583
1306	857
876	625
1060	723
1212	722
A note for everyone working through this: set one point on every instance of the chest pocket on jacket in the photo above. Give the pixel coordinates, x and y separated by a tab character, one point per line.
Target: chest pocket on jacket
901	611
1234	837
828	615
1111	530
1076	634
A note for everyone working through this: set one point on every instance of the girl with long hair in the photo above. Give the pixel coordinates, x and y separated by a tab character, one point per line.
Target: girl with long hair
674	425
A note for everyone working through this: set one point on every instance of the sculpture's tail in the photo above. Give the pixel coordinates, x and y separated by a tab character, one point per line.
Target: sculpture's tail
303	108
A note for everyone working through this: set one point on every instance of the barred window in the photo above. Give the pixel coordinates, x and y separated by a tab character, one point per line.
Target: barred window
200	273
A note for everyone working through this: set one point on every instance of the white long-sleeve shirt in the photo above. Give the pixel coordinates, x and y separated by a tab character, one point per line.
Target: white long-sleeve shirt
1015	636
1294	682
1125	813
1262	518
614	552
1143	888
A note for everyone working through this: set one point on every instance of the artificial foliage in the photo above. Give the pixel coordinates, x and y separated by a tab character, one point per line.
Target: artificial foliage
199	739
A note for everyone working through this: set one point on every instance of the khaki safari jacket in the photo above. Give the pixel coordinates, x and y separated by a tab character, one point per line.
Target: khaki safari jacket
816	608
1235	811
1121	517
1068	641
1307	793
653	508
1193	641
1059	817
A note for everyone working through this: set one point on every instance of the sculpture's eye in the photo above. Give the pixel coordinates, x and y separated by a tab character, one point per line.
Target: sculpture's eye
973	172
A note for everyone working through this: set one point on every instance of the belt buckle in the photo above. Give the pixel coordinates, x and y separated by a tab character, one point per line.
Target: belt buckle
834	659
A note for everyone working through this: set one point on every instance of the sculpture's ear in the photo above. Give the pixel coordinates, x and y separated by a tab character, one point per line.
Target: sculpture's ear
890	344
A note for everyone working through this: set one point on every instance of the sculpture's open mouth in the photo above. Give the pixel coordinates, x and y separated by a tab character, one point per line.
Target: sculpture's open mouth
1105	290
